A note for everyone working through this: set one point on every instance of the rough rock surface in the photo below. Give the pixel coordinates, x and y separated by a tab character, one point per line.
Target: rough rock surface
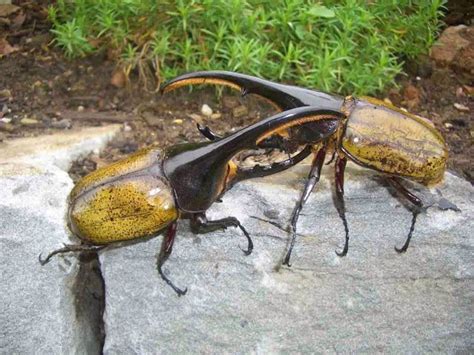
373	300
38	309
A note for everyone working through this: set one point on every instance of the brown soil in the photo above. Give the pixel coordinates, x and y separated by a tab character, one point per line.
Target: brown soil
42	92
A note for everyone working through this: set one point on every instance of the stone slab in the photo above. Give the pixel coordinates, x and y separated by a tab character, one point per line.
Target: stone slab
372	300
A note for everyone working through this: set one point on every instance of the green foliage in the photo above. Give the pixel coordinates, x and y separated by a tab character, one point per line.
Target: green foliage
348	46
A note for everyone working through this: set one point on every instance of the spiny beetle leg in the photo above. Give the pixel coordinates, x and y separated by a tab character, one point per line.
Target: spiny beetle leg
340	206
262	171
71	248
417	207
313	179
412	228
166	248
273	142
200	224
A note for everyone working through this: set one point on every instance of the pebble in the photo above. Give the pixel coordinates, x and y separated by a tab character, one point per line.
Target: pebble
448	125
178	121
80	108
206	110
216	116
62	124
119	78
239	111
28	121
461	107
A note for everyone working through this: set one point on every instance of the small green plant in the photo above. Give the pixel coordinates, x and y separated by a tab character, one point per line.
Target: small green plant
348	46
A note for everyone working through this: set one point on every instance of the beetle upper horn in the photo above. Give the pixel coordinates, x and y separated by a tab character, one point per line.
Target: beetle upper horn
284	97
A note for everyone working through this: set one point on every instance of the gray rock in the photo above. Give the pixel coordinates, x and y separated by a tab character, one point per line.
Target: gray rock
372	300
39	312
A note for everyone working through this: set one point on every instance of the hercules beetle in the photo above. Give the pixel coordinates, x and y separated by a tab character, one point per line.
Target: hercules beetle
149	190
370	133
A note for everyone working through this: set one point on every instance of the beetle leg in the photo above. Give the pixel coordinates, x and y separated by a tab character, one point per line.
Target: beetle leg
313	179
200	224
261	171
166	248
340	206
207	132
418	205
273	142
71	248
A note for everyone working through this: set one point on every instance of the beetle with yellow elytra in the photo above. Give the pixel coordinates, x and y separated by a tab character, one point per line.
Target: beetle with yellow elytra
370	133
150	190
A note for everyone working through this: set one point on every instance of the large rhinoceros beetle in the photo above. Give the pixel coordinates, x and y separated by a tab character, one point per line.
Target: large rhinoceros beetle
148	191
370	133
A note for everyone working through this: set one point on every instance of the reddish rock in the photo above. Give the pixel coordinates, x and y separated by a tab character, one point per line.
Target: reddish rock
455	47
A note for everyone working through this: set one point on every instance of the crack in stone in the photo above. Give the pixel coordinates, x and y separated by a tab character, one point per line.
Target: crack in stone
89	292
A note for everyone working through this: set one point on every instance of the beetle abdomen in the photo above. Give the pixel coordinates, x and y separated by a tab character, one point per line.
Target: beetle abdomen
127	200
395	142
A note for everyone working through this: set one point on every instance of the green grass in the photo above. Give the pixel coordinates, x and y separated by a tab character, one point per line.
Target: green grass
348	46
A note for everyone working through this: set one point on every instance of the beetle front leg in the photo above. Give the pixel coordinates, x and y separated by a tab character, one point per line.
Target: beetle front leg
417	207
340	206
313	179
71	248
200	224
262	171
207	132
166	248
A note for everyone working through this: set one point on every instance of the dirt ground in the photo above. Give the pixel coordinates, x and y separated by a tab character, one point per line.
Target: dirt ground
41	92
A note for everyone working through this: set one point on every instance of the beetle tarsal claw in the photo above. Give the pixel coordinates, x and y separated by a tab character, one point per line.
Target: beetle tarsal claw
287	261
43	261
346	243
344	251
412	228
71	248
249	240
176	289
